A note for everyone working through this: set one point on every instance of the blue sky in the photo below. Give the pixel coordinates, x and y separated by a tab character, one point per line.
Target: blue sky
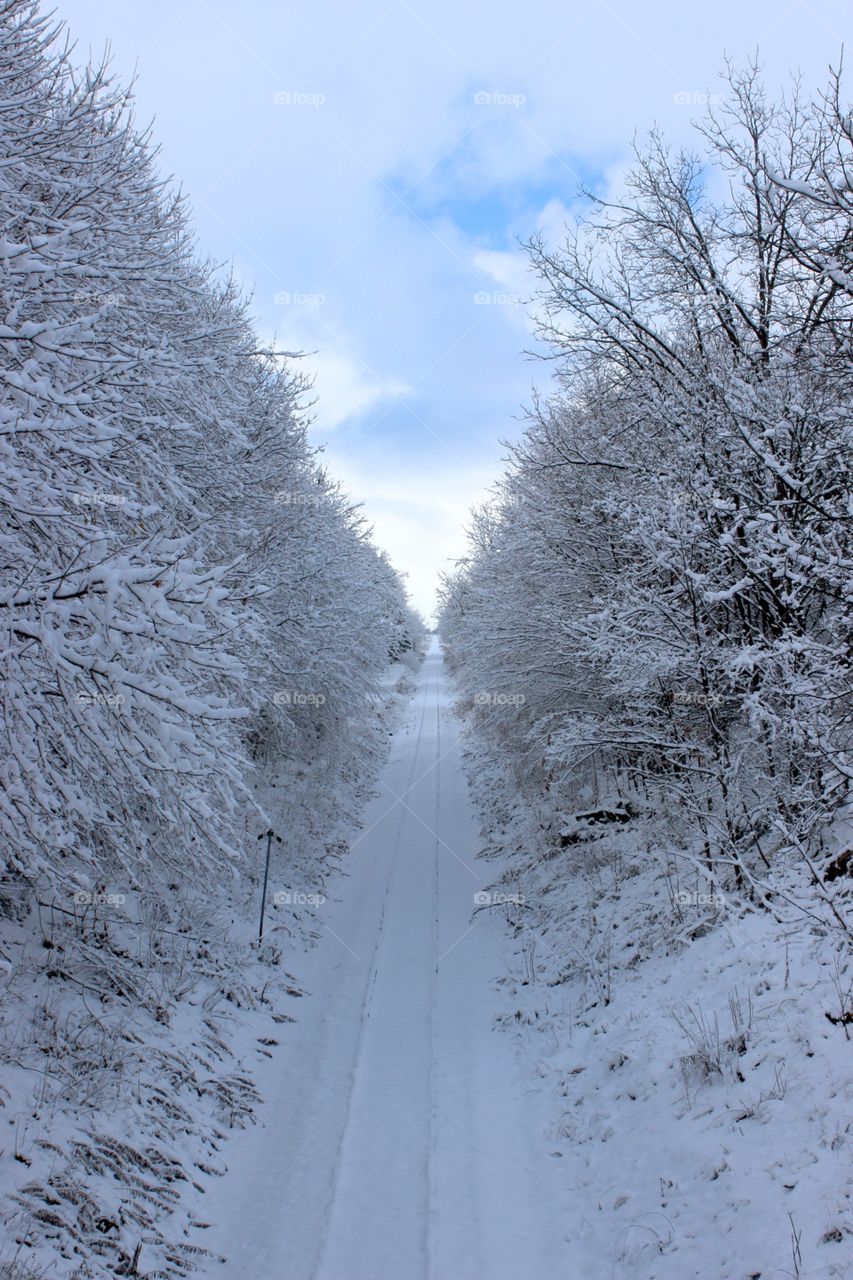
369	168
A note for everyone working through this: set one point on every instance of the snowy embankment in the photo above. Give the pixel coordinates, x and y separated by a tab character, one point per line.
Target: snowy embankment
131	1037
651	630
697	1055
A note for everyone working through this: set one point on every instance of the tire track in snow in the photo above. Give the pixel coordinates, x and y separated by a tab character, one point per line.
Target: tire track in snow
381	937
430	1217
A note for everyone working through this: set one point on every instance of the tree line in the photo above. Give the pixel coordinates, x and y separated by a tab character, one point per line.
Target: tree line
654	611
184	587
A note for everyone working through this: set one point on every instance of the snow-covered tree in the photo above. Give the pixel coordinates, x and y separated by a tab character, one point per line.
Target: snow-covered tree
173	555
664	581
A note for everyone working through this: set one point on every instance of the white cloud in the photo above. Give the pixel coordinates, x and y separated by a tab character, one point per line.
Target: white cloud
507	269
346	388
418	516
344	385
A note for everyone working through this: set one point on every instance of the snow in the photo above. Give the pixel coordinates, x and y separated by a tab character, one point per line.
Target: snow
700	1093
132	1030
400	1138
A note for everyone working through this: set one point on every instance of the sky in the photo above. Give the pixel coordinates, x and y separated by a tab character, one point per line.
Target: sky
371	169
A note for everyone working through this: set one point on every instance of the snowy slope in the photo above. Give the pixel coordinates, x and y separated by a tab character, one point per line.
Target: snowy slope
698	1066
132	1035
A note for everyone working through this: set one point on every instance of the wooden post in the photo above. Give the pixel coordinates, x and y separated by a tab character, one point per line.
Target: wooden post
269	835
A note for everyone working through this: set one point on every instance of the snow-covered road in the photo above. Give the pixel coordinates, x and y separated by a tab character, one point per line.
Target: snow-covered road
402	1139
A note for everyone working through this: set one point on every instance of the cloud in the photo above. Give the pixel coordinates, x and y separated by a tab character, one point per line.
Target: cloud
421	515
508	269
346	388
344	385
